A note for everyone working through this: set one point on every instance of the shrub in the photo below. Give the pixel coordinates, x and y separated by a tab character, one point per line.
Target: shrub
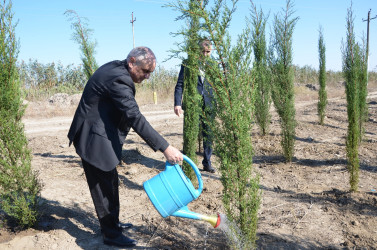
19	187
282	80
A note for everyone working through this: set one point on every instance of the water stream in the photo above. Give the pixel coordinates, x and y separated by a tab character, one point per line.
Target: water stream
232	232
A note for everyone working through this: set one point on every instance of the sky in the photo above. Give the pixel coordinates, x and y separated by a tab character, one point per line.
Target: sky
45	33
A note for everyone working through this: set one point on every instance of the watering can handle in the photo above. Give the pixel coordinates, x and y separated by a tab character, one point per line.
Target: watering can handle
197	172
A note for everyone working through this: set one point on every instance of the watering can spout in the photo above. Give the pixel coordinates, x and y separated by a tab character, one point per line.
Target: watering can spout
214	220
184	212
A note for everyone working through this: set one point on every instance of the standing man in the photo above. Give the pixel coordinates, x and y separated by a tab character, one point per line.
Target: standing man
104	116
205	90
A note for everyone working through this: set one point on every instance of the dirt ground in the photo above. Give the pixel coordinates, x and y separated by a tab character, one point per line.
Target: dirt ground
305	204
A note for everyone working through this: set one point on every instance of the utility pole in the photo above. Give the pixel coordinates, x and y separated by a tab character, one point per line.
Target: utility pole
367	52
132	21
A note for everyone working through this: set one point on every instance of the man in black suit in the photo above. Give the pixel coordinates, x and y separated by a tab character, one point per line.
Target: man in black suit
104	116
205	90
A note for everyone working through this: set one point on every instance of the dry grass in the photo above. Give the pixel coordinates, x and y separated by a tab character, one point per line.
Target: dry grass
44	108
145	96
303	93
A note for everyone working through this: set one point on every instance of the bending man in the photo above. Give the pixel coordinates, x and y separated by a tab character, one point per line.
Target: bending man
104	116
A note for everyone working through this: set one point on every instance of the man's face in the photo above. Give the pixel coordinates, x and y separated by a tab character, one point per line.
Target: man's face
206	50
141	70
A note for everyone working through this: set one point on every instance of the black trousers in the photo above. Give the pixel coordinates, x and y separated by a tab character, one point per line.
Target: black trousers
207	143
104	189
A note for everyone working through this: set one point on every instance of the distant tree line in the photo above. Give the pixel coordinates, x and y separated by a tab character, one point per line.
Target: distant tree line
51	75
56	77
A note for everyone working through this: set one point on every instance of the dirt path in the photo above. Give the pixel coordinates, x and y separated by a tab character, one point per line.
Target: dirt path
305	205
55	124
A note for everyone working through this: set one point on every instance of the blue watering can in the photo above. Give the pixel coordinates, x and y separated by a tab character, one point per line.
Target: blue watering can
171	190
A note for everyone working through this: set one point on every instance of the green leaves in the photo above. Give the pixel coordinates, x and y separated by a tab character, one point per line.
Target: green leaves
322	94
355	74
280	62
82	36
229	74
19	188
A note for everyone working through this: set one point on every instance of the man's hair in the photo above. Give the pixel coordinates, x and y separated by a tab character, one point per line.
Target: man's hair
205	43
142	54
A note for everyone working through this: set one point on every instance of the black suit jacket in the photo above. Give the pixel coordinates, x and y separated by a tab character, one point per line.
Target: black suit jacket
204	89
104	116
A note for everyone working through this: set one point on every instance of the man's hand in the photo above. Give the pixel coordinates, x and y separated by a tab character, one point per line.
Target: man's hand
173	155
178	110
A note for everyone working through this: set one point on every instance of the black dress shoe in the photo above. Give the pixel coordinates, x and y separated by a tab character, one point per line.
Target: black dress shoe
120	241
125	226
209	169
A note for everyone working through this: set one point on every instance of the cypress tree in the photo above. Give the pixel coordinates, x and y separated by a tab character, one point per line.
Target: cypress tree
228	73
191	98
322	94
19	187
351	60
260	70
82	36
282	81
235	91
363	90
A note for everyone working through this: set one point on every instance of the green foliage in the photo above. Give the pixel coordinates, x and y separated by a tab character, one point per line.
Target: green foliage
280	56
351	70
234	90
260	70
228	73
191	97
363	91
322	94
82	36
19	187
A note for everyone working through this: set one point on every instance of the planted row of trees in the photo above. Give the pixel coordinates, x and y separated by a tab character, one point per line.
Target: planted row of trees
244	89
